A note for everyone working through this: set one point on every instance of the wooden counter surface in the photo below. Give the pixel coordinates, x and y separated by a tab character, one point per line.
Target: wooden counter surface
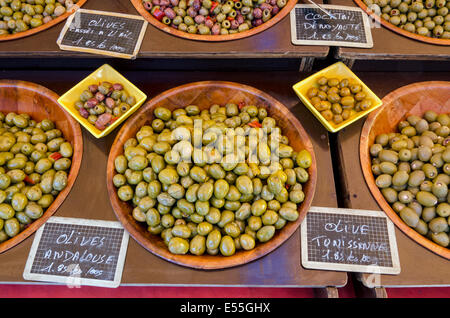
419	266
272	43
89	196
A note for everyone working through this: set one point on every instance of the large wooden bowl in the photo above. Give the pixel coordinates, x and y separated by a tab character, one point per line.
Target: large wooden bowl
398	30
40	103
43	26
414	99
205	94
214	38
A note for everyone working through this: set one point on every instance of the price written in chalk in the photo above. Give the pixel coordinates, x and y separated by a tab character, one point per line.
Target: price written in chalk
78	251
344	26
102	32
350	249
87	253
352	240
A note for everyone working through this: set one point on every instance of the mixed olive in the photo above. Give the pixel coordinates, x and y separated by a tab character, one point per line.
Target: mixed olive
207	17
212	181
22	15
102	104
338	99
412	170
34	163
424	17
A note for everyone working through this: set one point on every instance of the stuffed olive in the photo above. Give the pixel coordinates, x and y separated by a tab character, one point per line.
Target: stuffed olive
412	169
35	160
212	181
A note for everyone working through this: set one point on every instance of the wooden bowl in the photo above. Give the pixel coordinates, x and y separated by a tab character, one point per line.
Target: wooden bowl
414	99
398	30
205	94
43	26
41	103
214	38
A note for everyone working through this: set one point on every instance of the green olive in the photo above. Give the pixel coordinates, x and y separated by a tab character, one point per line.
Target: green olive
178	245
227	246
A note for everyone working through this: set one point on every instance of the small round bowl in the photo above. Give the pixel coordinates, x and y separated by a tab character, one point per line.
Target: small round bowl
414	99
41	103
44	26
214	38
205	94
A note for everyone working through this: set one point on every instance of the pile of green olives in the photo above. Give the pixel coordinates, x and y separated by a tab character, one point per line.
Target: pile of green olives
338	99
22	15
34	163
212	181
412	169
429	18
103	103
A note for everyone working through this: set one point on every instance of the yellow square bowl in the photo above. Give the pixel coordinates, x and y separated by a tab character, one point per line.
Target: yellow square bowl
103	73
340	71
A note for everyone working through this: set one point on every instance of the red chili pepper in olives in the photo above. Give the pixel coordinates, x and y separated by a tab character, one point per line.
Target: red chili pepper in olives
255	124
158	14
55	156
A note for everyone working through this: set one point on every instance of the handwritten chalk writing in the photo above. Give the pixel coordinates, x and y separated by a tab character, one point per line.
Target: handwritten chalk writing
77	256
346	228
73	239
104	23
94	272
341	25
103	32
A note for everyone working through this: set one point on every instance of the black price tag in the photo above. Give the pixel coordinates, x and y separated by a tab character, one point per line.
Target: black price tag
340	26
106	33
349	240
78	252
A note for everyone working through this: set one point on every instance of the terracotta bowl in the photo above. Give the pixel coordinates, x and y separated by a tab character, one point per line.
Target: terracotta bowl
414	99
216	38
43	27
205	94
398	30
41	103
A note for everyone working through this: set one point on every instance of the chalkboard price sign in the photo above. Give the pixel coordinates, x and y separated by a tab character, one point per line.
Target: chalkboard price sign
340	26
106	33
349	240
78	252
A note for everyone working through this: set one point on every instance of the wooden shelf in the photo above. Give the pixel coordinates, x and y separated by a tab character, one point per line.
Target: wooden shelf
89	196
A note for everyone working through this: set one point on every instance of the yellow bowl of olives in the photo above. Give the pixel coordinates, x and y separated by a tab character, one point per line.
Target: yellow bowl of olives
100	119
336	96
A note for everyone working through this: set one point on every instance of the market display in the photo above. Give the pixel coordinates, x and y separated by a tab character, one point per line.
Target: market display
217	194
104	103
428	18
412	170
206	17
338	99
18	15
34	163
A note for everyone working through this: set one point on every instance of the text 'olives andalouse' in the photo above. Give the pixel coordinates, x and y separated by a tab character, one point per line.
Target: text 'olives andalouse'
212	181
412	169
35	161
